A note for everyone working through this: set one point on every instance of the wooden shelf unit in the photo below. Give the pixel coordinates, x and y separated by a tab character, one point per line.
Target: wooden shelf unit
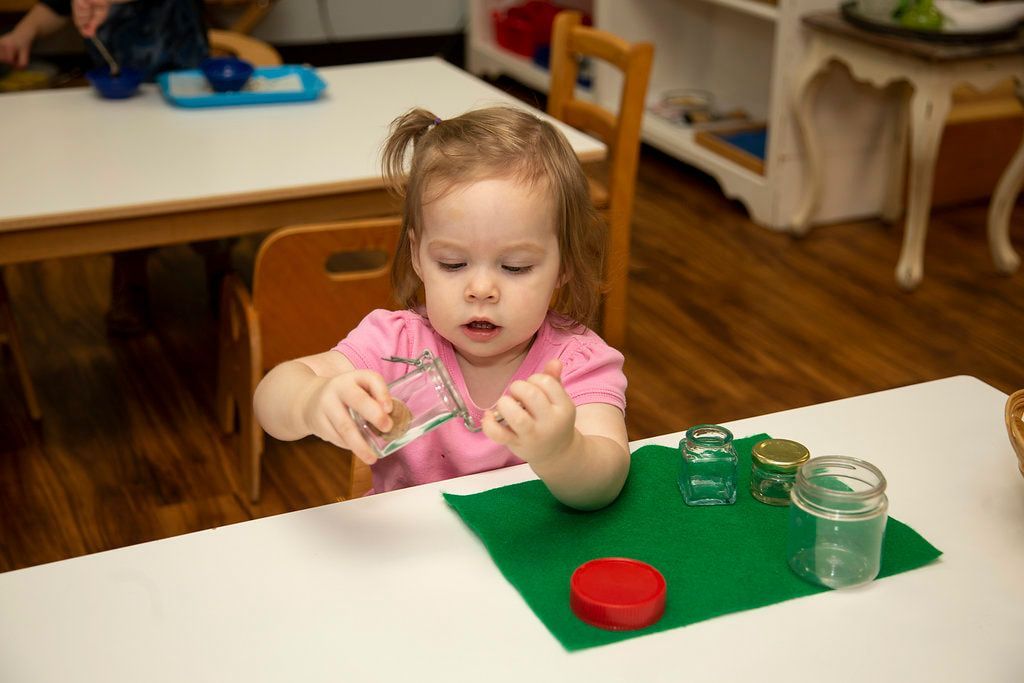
744	52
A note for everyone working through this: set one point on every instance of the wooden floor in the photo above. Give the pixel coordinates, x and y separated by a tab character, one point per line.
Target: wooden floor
728	320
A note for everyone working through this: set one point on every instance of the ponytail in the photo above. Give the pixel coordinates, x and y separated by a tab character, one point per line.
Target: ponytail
405	132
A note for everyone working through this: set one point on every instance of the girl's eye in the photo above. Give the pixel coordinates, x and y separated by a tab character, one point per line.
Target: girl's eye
450	266
517	269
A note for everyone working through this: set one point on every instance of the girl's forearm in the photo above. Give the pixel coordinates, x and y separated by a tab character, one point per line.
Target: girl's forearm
589	474
40	21
280	399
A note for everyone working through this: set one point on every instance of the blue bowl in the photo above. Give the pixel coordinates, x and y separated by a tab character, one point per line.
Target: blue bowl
226	74
124	84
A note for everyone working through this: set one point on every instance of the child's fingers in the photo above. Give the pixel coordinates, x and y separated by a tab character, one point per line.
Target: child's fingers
531	397
350	436
377	387
366	455
369	397
552	389
553	368
540	393
515	417
89	15
13	54
371	410
497	430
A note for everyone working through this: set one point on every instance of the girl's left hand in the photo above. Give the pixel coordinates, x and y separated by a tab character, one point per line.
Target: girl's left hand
539	418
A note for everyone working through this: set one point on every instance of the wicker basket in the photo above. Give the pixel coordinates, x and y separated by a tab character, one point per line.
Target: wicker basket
1015	425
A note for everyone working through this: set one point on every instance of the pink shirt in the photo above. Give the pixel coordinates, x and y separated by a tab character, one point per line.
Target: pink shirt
591	373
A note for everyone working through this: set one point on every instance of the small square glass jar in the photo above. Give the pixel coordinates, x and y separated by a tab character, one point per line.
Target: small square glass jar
422	399
708	475
773	467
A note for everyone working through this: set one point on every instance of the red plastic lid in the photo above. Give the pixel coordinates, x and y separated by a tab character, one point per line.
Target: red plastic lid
617	593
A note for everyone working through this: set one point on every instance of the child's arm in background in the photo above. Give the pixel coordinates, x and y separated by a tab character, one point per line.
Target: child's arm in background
16	46
312	395
580	453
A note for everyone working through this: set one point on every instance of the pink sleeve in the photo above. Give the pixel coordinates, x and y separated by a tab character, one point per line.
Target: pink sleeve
592	372
381	334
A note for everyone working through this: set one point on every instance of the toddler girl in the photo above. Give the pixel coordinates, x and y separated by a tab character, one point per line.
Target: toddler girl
498	266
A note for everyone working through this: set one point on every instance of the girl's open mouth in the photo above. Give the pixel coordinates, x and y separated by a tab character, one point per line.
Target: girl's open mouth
481	330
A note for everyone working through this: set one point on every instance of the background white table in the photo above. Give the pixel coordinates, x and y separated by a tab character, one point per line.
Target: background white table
86	175
396	587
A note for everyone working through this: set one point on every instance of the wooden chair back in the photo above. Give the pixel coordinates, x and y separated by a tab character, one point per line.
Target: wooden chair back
314	283
233	44
620	131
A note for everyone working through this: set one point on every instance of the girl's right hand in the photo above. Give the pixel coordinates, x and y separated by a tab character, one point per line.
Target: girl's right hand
15	48
326	409
89	15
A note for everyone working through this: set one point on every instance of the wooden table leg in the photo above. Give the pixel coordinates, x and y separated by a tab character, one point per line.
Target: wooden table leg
929	106
805	89
1001	205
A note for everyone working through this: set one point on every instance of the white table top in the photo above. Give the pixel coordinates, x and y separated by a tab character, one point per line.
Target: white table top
396	587
79	157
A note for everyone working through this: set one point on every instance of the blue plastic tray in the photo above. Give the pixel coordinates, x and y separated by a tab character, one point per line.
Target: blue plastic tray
190	88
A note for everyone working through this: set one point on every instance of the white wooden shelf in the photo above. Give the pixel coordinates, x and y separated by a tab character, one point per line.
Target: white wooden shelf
517	66
754	8
678	141
744	52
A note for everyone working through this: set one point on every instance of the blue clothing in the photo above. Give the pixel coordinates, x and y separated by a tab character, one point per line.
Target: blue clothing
150	35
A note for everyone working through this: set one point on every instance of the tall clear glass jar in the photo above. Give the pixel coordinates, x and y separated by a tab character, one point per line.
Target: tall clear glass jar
837	521
708	475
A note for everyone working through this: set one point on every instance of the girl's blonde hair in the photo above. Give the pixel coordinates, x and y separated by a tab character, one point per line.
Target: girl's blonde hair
498	142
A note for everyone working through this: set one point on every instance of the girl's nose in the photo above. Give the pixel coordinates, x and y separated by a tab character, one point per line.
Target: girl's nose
481	287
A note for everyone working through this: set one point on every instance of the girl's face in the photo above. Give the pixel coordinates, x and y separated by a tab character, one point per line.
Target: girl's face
488	257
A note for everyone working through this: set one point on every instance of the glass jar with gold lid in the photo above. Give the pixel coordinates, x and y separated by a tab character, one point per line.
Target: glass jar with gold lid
774	464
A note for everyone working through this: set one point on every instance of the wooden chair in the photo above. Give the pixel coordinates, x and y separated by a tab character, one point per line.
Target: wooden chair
311	285
252	12
570	41
233	44
9	336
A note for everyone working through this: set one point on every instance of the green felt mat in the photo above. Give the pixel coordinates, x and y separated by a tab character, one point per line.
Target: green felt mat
715	559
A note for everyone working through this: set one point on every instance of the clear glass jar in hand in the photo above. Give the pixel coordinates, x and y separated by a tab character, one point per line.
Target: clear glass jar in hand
422	399
708	475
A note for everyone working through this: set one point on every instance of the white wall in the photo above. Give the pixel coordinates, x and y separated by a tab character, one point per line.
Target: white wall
299	21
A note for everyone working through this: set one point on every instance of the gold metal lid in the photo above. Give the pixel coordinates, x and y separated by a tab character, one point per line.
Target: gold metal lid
779	455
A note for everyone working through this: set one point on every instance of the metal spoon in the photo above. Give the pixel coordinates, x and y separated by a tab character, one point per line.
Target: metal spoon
114	68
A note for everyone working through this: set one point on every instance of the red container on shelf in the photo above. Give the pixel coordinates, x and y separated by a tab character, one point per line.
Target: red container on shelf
541	15
513	32
526	27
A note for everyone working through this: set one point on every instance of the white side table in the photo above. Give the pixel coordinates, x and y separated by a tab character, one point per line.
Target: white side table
922	75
